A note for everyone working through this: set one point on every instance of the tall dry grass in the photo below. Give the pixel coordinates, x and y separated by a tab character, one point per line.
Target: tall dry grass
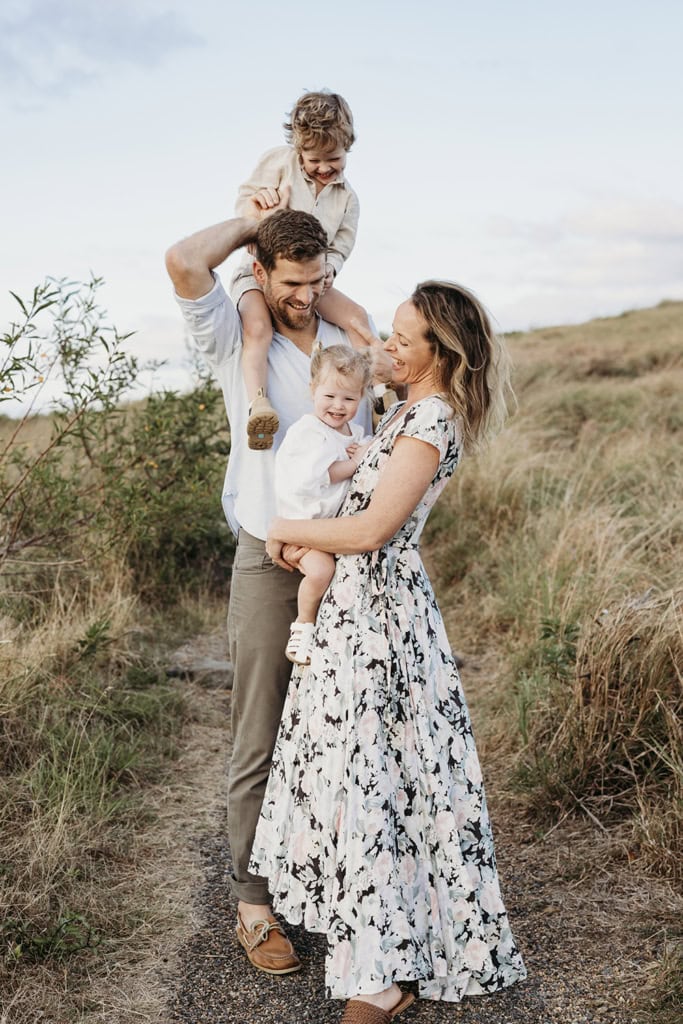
87	724
561	550
109	516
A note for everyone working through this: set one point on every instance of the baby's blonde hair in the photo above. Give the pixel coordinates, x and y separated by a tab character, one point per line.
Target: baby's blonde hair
320	120
346	361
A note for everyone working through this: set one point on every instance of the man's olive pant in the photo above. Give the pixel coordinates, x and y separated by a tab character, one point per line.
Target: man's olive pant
262	606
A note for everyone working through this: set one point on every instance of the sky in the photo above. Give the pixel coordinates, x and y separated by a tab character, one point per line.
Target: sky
531	150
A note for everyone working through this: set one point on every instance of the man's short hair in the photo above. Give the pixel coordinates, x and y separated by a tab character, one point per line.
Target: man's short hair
290	235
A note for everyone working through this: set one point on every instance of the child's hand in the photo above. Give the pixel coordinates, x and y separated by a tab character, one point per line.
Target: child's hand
356	452
329	277
293	553
267	201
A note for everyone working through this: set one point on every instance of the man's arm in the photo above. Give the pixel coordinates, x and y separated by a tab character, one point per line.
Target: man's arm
190	261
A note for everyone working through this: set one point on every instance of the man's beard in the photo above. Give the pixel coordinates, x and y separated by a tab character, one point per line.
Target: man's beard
288	316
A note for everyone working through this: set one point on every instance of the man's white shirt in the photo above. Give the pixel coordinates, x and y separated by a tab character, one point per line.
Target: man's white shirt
249	489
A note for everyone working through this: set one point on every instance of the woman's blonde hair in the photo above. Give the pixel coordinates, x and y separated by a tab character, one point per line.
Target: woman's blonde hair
346	361
320	120
471	364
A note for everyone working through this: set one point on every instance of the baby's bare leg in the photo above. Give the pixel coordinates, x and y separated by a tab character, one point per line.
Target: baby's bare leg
339	309
257	334
318	570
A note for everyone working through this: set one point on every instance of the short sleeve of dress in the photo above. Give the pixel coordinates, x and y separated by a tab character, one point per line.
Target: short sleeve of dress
433	421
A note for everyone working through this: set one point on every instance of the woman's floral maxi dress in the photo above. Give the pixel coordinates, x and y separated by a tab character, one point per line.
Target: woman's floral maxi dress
374	827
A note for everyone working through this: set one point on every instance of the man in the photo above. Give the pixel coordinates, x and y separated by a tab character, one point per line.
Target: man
290	267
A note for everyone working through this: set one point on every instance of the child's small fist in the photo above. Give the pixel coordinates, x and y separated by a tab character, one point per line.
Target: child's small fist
266	198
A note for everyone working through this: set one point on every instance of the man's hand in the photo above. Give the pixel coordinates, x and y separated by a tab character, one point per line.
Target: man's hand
285	555
329	277
380	361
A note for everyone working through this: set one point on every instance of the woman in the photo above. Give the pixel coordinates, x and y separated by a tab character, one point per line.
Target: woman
374	828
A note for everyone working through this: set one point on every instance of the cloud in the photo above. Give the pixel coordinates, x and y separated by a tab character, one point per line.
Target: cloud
54	47
616	219
597	259
645	221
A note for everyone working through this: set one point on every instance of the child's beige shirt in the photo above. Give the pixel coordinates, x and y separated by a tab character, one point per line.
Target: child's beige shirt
336	207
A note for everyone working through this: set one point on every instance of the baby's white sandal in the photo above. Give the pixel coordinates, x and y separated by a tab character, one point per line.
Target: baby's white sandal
300	642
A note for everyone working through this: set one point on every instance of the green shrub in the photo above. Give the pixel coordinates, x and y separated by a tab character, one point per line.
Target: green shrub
97	478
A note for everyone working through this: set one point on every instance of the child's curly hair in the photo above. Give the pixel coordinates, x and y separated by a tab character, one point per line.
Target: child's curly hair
320	120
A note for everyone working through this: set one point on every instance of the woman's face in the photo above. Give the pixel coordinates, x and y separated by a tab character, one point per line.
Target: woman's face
412	356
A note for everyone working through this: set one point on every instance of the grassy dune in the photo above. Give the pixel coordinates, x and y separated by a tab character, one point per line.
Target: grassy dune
556	556
560	553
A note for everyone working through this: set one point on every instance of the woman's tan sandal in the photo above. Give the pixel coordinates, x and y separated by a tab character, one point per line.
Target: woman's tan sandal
359	1012
263	423
267	947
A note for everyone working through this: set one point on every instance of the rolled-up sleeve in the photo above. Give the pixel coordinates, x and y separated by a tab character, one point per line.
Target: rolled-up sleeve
214	324
344	240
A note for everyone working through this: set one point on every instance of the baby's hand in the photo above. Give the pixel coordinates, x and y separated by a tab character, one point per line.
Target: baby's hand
356	452
293	553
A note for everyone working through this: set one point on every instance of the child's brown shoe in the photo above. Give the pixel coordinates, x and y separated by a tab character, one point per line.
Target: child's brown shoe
262	424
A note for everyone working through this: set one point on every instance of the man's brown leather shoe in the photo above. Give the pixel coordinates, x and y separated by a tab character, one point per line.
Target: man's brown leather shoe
267	946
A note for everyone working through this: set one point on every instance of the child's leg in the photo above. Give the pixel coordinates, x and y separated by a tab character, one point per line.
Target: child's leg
257	334
339	309
318	570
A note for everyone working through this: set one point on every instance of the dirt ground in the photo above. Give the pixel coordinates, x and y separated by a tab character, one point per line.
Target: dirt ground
591	931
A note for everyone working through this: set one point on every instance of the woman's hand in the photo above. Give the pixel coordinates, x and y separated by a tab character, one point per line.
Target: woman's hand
274	552
287	556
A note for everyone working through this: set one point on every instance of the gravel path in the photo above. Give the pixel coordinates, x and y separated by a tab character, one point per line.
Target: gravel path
218	986
588	934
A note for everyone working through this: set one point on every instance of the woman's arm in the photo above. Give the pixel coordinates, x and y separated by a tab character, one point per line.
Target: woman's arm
403	482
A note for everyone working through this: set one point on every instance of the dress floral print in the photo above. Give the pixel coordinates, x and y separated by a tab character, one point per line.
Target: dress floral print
374	828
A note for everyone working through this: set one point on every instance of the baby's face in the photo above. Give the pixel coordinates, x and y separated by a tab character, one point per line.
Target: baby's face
336	398
323	166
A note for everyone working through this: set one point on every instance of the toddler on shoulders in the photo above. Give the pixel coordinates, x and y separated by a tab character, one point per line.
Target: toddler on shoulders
319	133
